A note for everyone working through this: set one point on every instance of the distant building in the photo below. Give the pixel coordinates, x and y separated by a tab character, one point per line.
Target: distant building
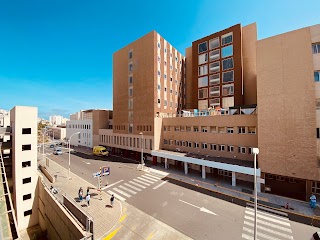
57	132
55	120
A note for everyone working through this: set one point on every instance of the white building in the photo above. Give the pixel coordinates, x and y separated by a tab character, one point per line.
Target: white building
55	120
86	132
4	118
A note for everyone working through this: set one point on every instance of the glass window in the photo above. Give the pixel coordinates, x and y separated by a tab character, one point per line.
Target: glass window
227	63
202	58
130	92
130	104
227	102
130	54
203	104
227	51
203	93
130	67
203	70
202	47
203	82
130	79
227	77
227	89
317	76
214	79
215	91
214	55
214	43
195	128
226	39
159	45
316	48
214	102
214	67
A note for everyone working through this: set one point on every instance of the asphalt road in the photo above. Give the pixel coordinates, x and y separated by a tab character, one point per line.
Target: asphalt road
197	215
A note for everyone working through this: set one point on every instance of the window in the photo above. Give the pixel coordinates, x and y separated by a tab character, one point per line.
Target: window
315	187
230	148
203	58
159	46
202	47
214	102
203	70
177	142
226	39
196	145
229	129
130	130
214	43
214	55
26	180
227	51
26	147
316	48
214	79
195	128
182	128
164	128
203	93
150	144
130	54
188	129
222	147
204	146
203	104
241	130
165	76
130	104
130	79
165	103
317	76
227	63
242	150
227	89
130	115
227	102
214	67
158	100
26	164
177	128
318	133
215	91
26	197
214	147
213	129
221	130
252	130
165	141
250	150
227	77
204	129
130	67
27	213
159	87
26	130
130	92
189	144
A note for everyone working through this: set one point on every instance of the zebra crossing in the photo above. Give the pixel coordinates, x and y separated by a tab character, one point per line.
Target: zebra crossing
128	189
271	224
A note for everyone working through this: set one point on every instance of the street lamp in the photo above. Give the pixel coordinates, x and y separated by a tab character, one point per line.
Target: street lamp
45	130
69	152
255	152
141	133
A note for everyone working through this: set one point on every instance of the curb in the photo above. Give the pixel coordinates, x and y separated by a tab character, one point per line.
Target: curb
296	217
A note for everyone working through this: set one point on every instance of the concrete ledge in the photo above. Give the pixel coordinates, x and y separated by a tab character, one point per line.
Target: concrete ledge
48	175
309	220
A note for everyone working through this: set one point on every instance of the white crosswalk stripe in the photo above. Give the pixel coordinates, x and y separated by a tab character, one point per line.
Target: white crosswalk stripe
137	184
149	178
116	196
139	181
269	226
128	190
146	180
122	192
152	176
135	188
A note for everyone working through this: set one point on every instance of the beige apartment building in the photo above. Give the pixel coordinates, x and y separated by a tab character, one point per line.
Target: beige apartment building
205	113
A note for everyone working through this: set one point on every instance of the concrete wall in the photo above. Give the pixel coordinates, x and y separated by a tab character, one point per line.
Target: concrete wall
54	219
286	105
100	120
24	117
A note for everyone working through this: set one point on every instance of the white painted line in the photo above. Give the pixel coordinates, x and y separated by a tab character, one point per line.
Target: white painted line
141	182
269	210
135	188
116	196
270	230
122	192
111	185
202	209
149	178
260	234
128	190
137	184
269	219
145	180
153	176
245	236
160	184
269	224
268	214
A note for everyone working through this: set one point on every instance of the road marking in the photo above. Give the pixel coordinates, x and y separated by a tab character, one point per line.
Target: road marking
269	230
111	185
123	217
135	188
270	219
149	178
269	224
116	196
152	176
202	209
122	192
245	236
148	181
141	182
251	205
137	184
260	234
112	234
268	214
160	184
86	162
150	236
128	190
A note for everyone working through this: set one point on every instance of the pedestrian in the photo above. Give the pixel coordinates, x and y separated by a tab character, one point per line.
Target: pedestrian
88	190
111	200
88	199
80	194
313	201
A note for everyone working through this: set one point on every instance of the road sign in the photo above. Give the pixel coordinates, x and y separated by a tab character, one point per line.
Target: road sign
105	171
97	174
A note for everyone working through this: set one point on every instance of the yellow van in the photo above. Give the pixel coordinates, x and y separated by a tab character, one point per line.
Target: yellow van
100	151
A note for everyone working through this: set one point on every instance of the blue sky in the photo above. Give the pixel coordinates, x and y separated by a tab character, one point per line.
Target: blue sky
57	55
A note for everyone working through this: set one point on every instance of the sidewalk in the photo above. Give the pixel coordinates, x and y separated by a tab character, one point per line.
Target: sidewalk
105	218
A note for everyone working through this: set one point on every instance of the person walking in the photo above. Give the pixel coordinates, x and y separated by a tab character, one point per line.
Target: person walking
80	194
88	199
111	200
88	190
313	201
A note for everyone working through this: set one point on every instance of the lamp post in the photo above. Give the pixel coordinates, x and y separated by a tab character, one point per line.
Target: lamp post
43	134
69	142
141	133
255	152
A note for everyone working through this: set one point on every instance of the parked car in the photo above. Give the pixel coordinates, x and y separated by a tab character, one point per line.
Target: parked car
51	145
59	143
57	151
